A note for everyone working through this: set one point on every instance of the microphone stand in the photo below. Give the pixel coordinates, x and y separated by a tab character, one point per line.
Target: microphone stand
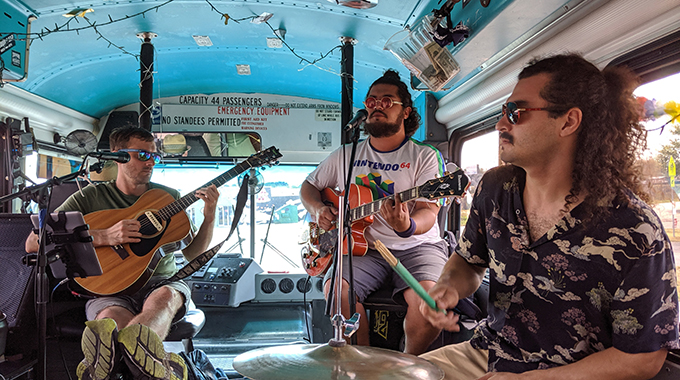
42	194
346	231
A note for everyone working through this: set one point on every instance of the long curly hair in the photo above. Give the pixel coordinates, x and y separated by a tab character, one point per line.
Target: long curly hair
390	76
610	135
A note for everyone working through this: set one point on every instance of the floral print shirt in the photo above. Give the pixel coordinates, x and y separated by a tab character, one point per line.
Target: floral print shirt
574	291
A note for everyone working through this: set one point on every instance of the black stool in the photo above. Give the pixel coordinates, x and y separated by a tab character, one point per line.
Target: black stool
187	328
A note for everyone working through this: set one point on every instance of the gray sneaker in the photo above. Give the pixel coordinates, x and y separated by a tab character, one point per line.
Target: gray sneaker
98	343
146	357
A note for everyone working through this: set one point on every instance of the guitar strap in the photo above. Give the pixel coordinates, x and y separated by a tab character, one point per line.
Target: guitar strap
204	257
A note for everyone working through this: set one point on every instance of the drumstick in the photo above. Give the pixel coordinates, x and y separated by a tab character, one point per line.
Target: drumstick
406	276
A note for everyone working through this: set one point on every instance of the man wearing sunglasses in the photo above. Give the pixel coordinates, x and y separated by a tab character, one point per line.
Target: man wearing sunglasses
116	324
582	279
389	161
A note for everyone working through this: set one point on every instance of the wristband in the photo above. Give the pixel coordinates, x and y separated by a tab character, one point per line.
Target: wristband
408	233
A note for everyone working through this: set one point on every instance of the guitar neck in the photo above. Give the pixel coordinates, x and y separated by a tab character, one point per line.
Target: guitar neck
181	204
373	207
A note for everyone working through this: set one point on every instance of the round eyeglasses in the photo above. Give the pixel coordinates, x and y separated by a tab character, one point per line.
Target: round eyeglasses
143	155
384	103
511	110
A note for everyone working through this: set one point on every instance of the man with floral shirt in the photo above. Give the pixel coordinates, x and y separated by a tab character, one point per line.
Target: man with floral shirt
581	271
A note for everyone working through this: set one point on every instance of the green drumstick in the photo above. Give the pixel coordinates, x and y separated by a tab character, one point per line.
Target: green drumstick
406	276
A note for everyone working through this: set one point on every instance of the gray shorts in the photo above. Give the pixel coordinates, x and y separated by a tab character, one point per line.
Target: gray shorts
135	302
371	271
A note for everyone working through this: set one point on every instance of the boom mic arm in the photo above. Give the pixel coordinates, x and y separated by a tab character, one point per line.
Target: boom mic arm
121	157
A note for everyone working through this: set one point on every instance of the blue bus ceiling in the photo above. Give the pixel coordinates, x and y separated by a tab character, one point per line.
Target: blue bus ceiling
90	62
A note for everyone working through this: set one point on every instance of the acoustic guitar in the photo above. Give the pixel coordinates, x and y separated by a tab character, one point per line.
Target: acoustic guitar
126	268
316	259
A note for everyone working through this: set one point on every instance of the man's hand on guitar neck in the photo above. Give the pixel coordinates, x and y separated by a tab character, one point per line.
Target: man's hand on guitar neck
209	195
396	214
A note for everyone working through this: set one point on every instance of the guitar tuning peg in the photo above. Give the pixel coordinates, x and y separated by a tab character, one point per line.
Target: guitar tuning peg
446	173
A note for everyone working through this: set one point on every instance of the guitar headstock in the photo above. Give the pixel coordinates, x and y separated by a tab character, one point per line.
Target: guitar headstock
451	185
268	156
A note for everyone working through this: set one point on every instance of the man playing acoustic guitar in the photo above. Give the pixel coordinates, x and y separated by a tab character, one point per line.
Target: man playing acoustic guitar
388	162
134	326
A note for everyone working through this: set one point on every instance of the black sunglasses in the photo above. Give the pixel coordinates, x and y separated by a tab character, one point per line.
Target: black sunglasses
511	110
143	155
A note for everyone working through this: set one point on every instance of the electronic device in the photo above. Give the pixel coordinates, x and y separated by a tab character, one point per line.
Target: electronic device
225	280
70	244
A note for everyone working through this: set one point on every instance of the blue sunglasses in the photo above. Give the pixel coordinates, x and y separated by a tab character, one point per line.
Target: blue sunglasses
143	155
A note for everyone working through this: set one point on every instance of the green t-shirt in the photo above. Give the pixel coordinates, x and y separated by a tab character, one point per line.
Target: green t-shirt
106	196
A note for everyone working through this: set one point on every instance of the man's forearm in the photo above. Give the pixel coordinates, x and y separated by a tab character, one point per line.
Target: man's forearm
310	197
201	241
610	364
464	277
425	216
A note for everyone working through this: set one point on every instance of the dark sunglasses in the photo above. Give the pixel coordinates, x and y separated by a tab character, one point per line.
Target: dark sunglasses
143	155
511	110
385	103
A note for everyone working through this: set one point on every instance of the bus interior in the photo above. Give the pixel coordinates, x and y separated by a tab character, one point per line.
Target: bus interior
218	82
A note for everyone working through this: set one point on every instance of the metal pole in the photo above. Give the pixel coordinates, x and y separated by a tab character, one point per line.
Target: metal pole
251	187
347	80
146	80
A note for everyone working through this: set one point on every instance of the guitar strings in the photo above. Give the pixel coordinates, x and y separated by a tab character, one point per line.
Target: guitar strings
168	211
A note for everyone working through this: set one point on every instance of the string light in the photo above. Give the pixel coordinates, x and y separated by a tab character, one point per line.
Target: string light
79	13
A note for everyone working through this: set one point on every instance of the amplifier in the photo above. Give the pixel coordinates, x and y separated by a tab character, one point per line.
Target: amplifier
226	280
287	287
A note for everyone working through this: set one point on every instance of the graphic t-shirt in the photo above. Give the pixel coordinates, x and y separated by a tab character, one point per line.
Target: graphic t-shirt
408	166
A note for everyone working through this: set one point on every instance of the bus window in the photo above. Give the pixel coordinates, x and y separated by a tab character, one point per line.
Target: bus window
478	155
279	216
660	102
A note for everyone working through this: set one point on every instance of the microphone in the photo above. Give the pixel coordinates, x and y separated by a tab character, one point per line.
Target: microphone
121	157
357	120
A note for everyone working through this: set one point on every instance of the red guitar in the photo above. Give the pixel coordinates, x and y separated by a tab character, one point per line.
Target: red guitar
323	244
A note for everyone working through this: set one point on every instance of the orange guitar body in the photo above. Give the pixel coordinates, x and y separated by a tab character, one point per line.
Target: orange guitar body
128	267
314	264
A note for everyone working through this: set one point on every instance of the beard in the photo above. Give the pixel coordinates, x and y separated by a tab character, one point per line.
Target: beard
384	128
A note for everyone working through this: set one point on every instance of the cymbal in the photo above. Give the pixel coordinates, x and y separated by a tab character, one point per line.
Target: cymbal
315	361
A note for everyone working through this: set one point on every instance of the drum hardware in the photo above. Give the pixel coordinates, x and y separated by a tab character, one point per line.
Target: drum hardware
336	359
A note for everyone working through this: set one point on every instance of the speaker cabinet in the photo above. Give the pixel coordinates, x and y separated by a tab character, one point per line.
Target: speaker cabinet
115	120
16	282
287	287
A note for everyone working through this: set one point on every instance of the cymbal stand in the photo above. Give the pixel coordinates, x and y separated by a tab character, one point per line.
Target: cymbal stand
338	320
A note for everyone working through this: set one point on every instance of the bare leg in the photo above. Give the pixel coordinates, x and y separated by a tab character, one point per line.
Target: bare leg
121	315
419	332
158	311
362	333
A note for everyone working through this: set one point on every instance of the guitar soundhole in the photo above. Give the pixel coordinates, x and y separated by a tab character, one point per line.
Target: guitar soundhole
147	227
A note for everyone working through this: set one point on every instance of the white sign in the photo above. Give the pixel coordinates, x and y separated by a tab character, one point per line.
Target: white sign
297	126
